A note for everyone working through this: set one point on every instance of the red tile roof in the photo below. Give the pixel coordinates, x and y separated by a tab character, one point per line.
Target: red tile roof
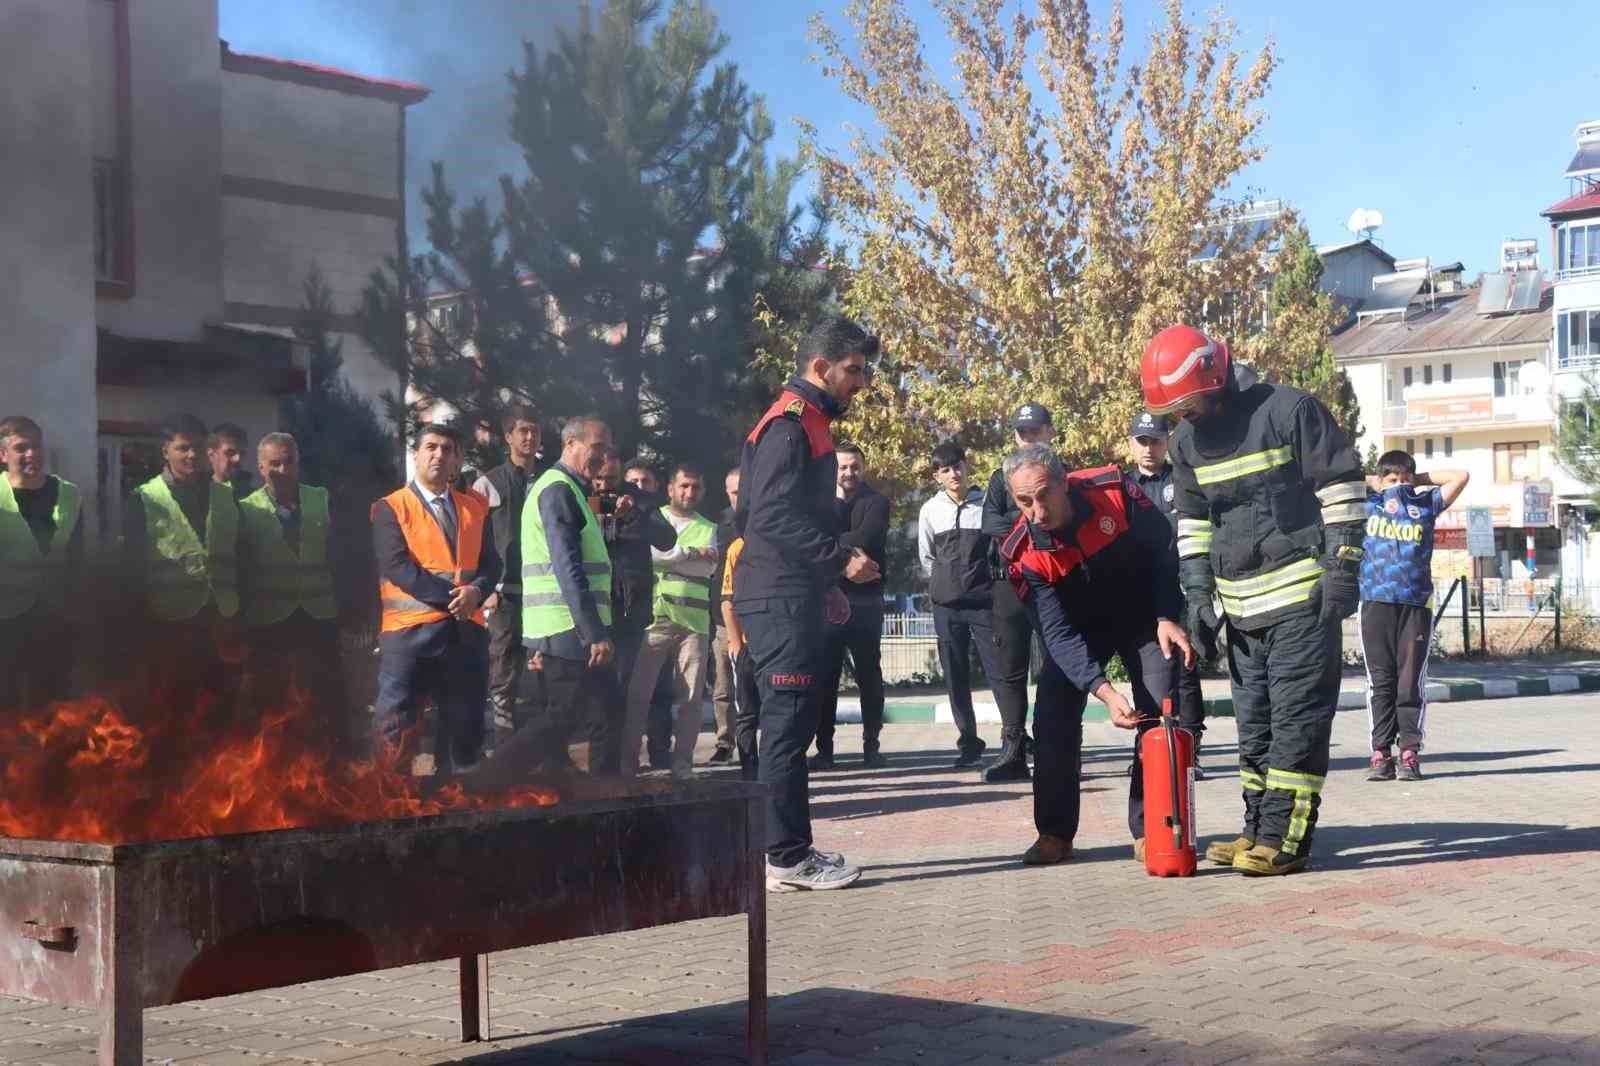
404	93
1574	205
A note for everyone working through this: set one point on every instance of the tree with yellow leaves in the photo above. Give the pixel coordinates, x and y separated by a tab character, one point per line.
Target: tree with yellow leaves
1022	230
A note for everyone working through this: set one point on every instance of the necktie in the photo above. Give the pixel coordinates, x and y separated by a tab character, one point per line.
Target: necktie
447	521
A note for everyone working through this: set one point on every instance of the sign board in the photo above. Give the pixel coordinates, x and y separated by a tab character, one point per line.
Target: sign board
1536	500
1454	410
1480	532
1449	539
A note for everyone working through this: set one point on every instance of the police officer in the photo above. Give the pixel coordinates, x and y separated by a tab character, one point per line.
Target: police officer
791	560
1147	445
1270	506
41	549
1092	560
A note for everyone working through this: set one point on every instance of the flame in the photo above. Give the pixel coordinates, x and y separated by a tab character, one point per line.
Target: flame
82	771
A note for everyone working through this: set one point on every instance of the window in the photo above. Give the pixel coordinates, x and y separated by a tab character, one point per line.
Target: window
1578	246
1427	447
1411	446
110	222
1407	373
1577	337
1506	379
1516	461
1577	413
1446	371
1427	373
1449	447
1388	388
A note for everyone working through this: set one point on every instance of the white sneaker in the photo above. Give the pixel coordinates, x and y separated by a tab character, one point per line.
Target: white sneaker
812	873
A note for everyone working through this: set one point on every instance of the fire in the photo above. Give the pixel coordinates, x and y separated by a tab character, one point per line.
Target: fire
83	771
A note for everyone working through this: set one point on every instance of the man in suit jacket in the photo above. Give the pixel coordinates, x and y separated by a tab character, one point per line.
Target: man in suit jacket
435	569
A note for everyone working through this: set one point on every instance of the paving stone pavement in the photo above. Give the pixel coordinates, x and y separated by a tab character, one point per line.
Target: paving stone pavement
1446	921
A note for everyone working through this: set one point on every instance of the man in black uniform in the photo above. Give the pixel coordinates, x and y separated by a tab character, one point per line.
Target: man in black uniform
1013	629
1271	515
1147	444
786	585
506	488
1093	563
863	523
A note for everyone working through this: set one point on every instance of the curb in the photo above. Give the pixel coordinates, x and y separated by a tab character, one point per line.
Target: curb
1349	699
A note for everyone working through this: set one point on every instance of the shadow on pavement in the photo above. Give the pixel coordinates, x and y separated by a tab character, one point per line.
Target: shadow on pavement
1352	762
816	1027
1355	847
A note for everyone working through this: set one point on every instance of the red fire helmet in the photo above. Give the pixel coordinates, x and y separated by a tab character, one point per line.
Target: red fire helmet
1180	365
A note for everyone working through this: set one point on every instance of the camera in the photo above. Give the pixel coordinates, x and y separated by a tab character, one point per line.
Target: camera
606	503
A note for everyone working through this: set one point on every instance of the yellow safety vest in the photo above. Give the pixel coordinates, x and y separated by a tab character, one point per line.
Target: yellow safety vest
544	610
184	575
686	601
283	580
26	573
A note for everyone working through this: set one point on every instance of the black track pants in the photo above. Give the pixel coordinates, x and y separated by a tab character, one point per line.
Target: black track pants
1013	637
1394	641
1285	688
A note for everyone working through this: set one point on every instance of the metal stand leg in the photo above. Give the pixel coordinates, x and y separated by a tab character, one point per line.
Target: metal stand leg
122	998
756	843
474	998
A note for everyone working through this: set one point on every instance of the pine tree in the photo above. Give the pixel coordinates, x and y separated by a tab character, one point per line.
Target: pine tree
1578	437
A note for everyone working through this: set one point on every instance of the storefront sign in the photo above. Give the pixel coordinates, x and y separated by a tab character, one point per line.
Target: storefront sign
1451	411
1536	503
1480	532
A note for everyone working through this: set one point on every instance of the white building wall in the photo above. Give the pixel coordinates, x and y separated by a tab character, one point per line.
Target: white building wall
47	301
176	140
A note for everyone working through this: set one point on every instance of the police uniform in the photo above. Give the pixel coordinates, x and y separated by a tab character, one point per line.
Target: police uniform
1396	622
1094	590
1269	497
791	557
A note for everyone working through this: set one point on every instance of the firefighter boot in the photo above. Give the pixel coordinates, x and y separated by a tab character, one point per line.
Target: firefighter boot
1222	852
1264	860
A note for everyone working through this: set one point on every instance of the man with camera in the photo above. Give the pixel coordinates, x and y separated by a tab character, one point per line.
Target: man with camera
631	523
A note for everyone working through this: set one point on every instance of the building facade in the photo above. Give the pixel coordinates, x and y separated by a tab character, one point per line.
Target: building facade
166	200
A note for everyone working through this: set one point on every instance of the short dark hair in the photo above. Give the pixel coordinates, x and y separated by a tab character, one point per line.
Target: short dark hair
19	426
684	466
1396	462
835	338
225	431
639	462
181	425
436	429
948	454
852	448
517	412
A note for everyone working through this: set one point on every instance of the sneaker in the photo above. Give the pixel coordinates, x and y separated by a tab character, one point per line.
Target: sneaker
1138	850
811	874
968	759
1047	851
720	757
829	858
1382	767
873	760
820	761
1264	860
1410	767
1222	852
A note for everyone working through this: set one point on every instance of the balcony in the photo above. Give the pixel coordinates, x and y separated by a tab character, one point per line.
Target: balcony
1578	273
1459	412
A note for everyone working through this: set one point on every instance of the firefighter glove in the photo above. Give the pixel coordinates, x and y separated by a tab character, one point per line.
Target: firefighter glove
1341	584
1199	586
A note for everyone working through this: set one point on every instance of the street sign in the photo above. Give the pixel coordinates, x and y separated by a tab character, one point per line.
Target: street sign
1480	532
1536	497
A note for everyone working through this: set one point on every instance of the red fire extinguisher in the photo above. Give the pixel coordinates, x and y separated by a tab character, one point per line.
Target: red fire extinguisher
1166	758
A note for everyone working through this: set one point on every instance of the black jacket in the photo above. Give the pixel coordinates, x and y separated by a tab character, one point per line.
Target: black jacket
954	550
507	489
864	521
628	542
786	514
397	565
1115	593
1000	514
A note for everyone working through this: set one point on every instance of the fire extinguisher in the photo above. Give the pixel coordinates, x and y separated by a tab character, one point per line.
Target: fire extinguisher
1166	759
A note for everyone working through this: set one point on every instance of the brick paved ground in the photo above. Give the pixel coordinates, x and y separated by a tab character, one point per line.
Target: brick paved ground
1451	921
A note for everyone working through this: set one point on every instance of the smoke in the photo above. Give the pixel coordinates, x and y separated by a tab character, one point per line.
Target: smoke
462	51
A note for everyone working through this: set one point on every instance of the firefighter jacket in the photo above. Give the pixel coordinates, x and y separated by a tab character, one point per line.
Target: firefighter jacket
1108	575
788	479
1270	491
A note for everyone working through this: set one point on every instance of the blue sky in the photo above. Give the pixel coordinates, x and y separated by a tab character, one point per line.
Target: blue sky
1454	120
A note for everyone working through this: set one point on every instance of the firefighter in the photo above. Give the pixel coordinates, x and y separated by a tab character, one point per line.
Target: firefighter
286	590
1091	560
1271	505
787	585
41	552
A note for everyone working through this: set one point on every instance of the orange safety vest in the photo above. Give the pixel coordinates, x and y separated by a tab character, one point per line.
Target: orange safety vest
428	547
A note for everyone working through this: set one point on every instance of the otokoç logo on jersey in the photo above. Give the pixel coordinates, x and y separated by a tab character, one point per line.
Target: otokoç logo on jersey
1397	566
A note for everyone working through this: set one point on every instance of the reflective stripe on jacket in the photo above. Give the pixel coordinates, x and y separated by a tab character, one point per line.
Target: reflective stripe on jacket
680	599
183	574
282	579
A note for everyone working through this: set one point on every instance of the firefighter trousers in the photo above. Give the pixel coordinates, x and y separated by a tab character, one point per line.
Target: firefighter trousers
1285	687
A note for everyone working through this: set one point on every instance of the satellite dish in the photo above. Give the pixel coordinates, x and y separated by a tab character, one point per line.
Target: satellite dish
1533	377
1364	221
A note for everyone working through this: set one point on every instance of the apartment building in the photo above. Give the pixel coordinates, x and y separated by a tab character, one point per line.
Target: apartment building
166	198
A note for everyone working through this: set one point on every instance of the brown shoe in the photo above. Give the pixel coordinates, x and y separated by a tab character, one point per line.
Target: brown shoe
1047	851
1138	849
1222	851
1264	860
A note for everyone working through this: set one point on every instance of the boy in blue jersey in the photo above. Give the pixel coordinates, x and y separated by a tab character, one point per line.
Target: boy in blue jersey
1396	621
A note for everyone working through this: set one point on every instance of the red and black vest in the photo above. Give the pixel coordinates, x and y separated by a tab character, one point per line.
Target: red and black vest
803	470
816	424
1097	548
